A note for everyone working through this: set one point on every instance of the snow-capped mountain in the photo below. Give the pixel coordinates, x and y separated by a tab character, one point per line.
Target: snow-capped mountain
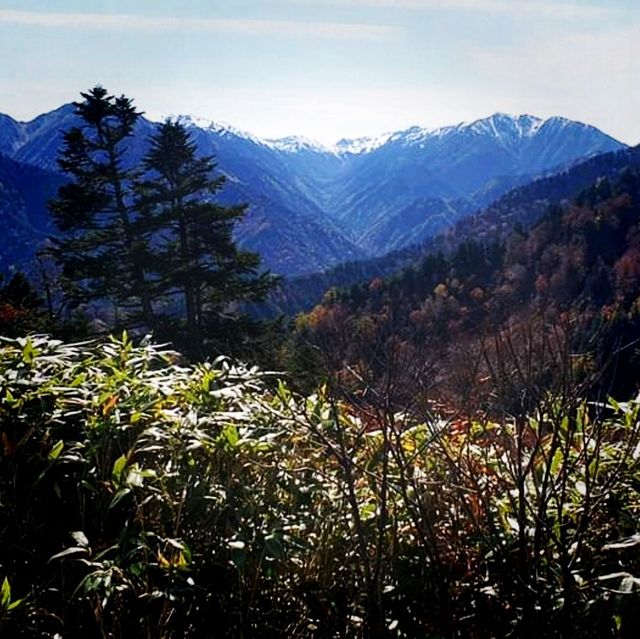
465	166
220	128
522	136
313	206
356	146
296	144
288	229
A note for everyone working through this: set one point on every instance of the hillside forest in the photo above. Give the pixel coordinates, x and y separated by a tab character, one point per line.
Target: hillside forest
441	440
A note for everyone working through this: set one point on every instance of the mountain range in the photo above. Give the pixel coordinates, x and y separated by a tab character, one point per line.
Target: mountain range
312	206
519	208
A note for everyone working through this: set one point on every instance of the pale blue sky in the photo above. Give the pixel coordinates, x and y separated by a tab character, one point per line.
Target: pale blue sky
330	68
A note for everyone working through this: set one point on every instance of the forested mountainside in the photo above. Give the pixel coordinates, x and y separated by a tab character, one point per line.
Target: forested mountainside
578	265
26	223
313	207
521	206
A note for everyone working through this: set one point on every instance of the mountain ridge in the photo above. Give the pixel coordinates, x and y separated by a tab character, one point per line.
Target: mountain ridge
294	143
312	208
523	206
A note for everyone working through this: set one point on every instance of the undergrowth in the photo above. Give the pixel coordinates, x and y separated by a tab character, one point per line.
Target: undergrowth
143	498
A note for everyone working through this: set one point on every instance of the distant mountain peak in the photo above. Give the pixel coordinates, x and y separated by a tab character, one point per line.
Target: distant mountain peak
296	144
524	125
216	126
343	147
68	108
356	146
509	131
313	204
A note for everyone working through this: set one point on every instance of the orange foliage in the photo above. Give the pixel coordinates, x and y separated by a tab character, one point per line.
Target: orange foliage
627	269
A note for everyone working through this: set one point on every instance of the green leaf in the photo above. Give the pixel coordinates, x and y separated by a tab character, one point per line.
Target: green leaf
368	511
630	584
54	453
273	547
14	604
80	538
119	496
231	435
118	467
135	477
556	462
28	352
623	544
5	593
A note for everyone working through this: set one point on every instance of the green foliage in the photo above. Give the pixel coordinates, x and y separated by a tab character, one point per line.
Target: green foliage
99	250
140	497
198	268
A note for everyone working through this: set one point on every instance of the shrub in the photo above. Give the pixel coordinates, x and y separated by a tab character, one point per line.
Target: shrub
143	498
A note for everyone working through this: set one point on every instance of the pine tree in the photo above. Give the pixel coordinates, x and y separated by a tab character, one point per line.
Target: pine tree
100	250
200	269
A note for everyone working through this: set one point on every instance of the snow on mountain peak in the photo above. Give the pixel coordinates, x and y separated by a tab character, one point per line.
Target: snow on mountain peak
506	127
219	127
509	131
296	144
356	146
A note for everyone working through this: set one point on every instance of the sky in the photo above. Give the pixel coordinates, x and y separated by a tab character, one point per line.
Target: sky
329	69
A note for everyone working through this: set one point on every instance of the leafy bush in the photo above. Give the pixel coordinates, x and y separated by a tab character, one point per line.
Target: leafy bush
143	498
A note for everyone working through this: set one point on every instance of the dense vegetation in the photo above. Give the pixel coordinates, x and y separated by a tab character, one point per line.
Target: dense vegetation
575	271
141	498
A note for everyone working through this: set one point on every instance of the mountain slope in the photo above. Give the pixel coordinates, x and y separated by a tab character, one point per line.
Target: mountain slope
11	134
466	166
522	206
312	207
284	224
24	191
287	228
558	297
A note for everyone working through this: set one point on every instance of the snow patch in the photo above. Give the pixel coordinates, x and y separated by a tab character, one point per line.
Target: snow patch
296	144
508	130
357	146
219	127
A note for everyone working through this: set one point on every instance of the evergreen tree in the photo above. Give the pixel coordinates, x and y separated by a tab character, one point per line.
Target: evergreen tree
101	253
200	269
